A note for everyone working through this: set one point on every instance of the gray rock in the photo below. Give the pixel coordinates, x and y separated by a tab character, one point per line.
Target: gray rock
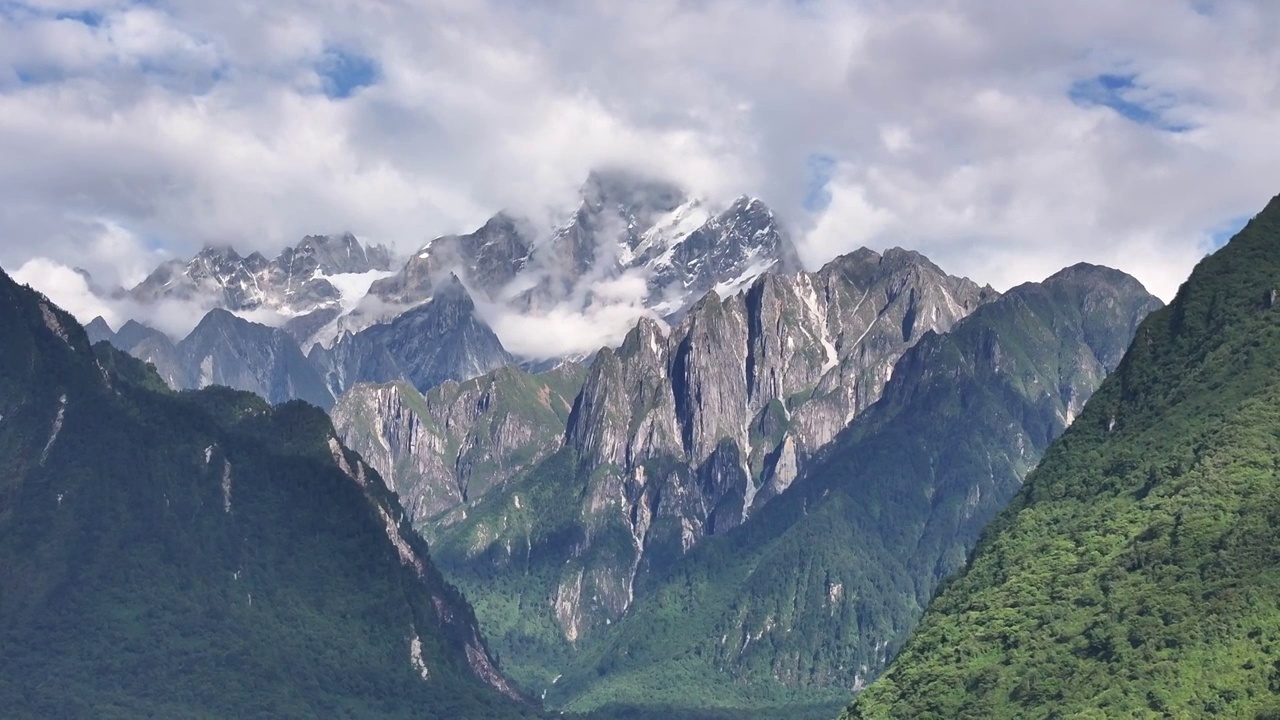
488	259
228	350
460	440
677	434
430	344
295	284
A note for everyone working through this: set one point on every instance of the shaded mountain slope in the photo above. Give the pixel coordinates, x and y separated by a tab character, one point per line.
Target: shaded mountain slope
203	555
437	341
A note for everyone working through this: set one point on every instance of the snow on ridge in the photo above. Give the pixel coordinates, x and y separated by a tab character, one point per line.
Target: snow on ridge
732	287
353	287
670	230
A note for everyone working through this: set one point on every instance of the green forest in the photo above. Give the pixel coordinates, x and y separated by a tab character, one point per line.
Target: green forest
1137	574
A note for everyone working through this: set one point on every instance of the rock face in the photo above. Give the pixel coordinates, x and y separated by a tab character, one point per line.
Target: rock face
224	350
675	436
237	530
490	258
746	388
227	350
462	439
311	284
819	587
1135	573
435	342
733	425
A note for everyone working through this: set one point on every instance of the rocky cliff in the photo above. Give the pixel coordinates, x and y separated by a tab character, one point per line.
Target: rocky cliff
460	440
647	541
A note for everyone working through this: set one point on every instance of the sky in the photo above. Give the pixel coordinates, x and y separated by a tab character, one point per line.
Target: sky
1003	140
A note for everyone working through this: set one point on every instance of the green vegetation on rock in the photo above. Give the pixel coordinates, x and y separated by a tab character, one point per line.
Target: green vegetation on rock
1137	574
784	615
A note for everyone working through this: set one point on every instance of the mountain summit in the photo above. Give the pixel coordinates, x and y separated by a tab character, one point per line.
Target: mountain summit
309	284
629	231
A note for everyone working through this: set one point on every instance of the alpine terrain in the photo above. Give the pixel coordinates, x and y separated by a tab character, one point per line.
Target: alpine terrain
635	244
224	349
584	549
309	285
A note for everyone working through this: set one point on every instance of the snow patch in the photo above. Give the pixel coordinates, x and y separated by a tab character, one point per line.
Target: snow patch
425	251
668	231
810	298
729	288
353	287
671	304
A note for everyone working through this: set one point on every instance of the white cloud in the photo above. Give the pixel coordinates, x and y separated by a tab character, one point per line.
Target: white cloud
66	288
563	331
951	126
70	290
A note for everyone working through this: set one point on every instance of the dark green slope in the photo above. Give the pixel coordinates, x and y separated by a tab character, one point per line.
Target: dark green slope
204	555
1138	572
783	616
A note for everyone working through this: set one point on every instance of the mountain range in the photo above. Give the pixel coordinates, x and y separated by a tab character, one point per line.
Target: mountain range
744	505
585	540
307	286
635	244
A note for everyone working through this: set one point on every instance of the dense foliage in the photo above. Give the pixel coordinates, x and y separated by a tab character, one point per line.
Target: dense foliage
1137	574
201	554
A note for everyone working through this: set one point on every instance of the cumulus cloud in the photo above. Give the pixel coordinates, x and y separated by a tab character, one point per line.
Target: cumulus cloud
71	290
1004	141
67	288
564	331
600	312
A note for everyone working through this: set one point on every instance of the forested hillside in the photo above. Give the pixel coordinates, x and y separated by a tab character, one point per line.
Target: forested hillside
1137	574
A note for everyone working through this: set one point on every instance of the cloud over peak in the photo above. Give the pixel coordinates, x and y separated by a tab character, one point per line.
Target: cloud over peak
1002	141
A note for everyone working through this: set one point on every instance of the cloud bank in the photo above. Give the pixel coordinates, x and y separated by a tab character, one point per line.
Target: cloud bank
1003	141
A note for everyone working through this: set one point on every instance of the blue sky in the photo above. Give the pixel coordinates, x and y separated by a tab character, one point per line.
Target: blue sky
1123	94
345	72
